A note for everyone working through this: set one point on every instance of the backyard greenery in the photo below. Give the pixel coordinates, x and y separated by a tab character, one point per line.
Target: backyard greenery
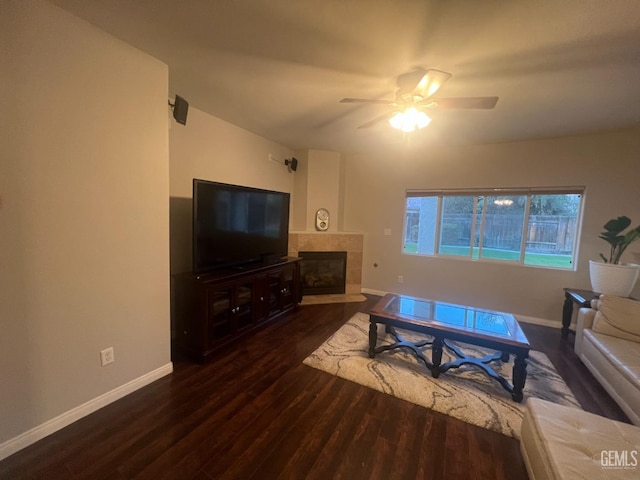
533	259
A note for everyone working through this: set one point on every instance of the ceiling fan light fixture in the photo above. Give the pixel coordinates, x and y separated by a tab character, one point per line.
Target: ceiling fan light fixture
409	120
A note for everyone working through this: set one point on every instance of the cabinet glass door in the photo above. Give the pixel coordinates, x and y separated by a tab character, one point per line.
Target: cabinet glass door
261	299
244	304
274	288
287	279
220	316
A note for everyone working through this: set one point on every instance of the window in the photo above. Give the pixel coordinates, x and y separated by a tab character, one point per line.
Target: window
537	227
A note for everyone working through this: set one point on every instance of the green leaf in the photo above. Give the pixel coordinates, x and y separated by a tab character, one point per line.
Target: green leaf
619	243
617	225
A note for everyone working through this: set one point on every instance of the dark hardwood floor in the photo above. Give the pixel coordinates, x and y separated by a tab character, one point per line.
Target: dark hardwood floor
256	412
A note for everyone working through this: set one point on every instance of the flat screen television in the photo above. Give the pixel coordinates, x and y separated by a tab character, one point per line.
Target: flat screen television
236	226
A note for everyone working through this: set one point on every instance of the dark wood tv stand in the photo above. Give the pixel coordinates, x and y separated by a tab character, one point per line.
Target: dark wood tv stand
215	309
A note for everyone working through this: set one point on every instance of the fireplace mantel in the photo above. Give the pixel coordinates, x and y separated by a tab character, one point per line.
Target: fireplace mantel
352	243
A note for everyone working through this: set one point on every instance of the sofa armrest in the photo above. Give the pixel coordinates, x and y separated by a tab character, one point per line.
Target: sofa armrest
585	320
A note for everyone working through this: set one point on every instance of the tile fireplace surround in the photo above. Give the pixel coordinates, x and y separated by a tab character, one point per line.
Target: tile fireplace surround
333	241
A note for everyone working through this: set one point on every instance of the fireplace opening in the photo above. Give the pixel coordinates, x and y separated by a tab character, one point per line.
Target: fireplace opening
323	273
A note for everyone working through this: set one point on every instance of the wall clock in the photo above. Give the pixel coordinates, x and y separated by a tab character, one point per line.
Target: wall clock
322	219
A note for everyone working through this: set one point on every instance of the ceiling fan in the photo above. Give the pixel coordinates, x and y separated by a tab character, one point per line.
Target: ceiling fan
415	94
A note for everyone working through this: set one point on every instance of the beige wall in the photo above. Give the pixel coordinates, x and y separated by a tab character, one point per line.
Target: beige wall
319	183
212	149
84	183
607	164
300	188
323	187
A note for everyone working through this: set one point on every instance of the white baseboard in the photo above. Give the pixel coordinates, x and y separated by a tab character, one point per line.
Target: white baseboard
29	437
370	291
540	321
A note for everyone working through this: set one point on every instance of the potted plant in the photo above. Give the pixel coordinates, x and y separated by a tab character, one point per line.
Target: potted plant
610	276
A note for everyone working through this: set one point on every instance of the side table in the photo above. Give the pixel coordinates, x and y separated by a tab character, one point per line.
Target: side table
574	296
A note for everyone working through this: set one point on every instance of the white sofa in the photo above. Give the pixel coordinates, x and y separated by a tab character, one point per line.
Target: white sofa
608	343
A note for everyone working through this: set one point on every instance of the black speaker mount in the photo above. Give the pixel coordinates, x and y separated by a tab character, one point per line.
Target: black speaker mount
292	163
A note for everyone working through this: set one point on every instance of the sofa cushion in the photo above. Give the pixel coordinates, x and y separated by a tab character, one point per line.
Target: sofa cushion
623	355
563	442
618	317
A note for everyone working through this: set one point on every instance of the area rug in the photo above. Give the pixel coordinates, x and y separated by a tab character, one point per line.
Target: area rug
465	393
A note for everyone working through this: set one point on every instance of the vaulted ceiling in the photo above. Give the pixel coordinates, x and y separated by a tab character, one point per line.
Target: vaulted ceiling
279	68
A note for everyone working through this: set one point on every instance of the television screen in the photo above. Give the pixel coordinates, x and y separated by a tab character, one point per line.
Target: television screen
235	225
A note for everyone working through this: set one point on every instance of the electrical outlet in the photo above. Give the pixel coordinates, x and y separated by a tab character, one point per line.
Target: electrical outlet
387	231
107	356
400	279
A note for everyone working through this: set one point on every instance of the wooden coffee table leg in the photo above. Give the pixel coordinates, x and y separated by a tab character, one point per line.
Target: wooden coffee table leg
373	338
436	356
519	377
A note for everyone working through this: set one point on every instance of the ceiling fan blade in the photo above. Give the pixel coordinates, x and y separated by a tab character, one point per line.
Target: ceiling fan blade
431	82
410	80
371	123
419	83
366	100
485	103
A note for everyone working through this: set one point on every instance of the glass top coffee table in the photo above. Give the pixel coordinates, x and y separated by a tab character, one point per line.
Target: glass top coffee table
446	322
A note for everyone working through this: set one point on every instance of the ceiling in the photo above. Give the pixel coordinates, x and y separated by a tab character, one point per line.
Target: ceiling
278	68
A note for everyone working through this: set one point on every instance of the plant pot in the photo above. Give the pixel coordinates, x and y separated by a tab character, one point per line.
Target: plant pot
613	279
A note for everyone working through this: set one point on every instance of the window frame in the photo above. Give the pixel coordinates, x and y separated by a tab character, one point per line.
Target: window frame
529	192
